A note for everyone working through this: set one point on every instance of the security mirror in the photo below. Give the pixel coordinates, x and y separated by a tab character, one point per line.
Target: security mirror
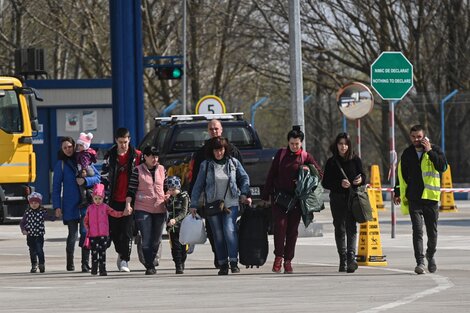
355	100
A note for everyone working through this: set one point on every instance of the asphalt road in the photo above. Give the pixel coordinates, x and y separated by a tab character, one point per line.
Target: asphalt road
316	286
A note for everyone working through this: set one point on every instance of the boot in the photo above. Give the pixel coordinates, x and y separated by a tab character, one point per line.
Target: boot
352	264
342	263
234	267
277	264
42	268
70	266
34	268
288	267
94	269
223	269
179	268
103	271
85	260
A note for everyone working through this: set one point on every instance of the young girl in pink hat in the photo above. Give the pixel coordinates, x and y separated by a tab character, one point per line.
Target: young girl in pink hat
97	226
84	156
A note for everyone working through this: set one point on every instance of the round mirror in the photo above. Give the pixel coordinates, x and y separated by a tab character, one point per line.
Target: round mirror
355	100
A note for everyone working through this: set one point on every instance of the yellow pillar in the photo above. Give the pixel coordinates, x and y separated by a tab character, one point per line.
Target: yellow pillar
369	252
447	197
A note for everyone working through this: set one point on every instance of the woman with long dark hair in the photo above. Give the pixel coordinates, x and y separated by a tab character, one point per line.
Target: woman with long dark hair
66	199
333	179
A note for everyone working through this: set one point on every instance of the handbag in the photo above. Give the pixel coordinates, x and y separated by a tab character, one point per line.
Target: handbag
358	201
360	205
192	230
284	200
214	208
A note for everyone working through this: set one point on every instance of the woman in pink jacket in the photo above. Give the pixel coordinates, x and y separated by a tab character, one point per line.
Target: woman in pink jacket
148	198
97	226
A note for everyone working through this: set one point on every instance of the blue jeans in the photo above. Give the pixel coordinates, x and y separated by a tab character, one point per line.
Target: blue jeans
224	230
150	226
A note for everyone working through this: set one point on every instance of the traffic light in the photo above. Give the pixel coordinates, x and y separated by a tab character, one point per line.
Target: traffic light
172	71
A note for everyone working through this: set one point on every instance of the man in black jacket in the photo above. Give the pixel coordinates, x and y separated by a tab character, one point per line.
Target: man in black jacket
214	127
118	165
418	190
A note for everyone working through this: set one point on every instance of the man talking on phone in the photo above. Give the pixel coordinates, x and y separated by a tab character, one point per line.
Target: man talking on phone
418	191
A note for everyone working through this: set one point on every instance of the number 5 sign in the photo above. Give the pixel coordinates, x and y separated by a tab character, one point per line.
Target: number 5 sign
210	105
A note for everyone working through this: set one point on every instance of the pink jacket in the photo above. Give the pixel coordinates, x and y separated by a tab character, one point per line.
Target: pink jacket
96	219
150	196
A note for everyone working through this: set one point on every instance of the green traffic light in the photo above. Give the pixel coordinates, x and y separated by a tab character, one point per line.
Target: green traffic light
176	72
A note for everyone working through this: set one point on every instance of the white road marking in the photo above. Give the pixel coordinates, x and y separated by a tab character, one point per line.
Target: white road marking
442	282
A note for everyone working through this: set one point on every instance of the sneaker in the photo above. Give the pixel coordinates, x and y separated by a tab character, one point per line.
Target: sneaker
288	267
124	266
151	271
432	267
118	262
42	268
34	268
234	267
277	264
419	269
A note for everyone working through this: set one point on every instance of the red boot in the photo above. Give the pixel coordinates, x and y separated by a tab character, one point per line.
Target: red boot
288	267
277	264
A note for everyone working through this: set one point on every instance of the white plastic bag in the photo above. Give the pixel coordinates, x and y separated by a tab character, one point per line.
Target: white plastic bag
192	230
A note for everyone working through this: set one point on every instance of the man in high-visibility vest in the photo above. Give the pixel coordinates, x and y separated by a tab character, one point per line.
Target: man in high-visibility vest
418	191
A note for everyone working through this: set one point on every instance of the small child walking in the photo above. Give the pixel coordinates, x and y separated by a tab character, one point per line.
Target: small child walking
177	206
32	226
84	156
97	226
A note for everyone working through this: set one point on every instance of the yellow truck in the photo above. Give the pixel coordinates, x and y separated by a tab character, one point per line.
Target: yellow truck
18	125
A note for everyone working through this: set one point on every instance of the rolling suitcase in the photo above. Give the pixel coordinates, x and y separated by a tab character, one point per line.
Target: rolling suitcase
253	237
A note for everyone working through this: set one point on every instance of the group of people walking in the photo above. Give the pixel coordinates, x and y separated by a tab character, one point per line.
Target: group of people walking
139	197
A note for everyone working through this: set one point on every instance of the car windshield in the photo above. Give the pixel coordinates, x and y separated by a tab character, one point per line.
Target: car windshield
10	113
191	139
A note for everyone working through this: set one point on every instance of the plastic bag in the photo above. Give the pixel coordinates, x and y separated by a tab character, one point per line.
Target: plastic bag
192	230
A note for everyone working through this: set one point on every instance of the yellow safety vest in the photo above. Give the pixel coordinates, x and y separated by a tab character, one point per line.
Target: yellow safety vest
431	180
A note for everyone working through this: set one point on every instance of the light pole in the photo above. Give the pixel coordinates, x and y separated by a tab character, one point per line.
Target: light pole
443	101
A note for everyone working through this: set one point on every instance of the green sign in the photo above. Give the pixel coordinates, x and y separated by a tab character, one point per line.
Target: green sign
391	75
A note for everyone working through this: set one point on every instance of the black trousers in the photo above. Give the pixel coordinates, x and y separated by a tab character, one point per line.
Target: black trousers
426	211
98	251
121	231
344	223
36	249
178	250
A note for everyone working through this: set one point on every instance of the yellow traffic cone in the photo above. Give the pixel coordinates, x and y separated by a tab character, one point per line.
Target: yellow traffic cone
369	251
377	186
447	197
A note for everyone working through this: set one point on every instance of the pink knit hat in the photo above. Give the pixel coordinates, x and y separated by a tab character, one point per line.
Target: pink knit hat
85	140
98	190
36	197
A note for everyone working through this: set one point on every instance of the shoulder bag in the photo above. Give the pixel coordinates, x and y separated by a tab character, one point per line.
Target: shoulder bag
358	201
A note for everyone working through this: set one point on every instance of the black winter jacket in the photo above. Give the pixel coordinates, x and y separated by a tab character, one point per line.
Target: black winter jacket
110	168
411	170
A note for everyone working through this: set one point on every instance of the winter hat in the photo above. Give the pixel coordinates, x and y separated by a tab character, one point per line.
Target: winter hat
98	190
173	182
85	140
36	197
